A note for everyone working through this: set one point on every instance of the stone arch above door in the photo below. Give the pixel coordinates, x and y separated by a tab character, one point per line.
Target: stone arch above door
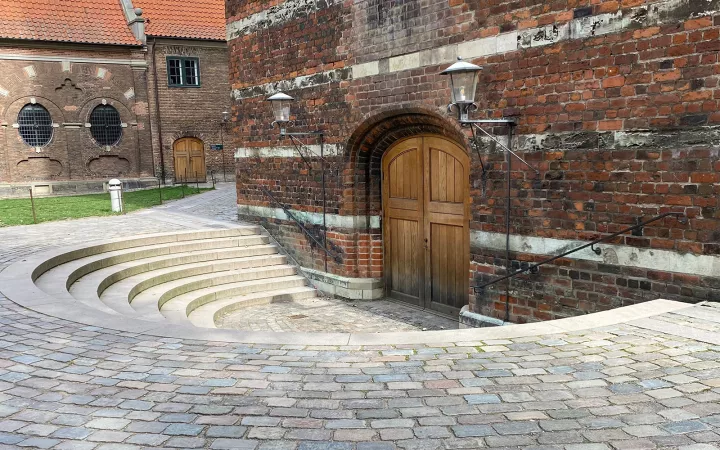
374	136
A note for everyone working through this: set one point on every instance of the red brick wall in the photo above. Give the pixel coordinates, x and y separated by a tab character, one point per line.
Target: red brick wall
192	111
621	125
584	194
69	96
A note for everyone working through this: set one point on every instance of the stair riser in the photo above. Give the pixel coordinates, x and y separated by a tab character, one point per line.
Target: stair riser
218	281
138	242
262	301
245	290
269	261
221	265
151	253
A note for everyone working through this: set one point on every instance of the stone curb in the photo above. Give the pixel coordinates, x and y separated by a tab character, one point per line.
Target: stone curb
17	284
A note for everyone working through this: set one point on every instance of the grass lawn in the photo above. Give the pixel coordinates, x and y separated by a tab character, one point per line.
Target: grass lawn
19	211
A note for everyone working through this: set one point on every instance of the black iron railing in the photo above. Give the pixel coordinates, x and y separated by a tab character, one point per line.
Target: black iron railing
534	267
321	245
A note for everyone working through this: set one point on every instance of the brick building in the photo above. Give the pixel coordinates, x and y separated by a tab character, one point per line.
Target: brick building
187	112
616	104
77	92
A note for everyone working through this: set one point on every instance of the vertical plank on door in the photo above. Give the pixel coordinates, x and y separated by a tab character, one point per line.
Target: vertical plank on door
402	212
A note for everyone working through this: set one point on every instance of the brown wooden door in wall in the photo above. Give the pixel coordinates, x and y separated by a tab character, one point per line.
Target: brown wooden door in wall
189	155
426	223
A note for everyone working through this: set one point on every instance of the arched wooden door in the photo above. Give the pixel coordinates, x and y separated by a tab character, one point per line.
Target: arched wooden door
426	223
189	155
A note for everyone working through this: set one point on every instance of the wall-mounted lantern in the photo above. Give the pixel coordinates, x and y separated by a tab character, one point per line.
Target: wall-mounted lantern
464	78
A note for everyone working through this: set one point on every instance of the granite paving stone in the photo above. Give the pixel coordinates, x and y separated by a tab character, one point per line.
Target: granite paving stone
67	385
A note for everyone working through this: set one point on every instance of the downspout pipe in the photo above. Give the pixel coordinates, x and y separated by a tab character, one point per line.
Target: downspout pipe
157	112
508	263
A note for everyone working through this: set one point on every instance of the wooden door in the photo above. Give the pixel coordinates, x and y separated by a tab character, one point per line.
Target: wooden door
446	225
426	223
189	155
403	221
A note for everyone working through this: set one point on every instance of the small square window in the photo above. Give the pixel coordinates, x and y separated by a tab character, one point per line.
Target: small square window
183	72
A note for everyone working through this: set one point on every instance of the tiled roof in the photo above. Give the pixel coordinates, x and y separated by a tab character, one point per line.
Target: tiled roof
83	21
193	19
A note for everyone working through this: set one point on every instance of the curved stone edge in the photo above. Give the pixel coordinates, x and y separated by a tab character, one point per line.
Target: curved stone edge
17	284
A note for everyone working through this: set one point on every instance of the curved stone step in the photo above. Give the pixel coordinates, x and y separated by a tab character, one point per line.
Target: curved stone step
148	287
89	289
139	242
194	252
206	315
256	273
170	276
58	279
179	307
150	302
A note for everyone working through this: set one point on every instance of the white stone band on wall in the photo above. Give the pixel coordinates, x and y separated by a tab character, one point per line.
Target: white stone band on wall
276	15
312	151
332	220
644	258
74	59
623	255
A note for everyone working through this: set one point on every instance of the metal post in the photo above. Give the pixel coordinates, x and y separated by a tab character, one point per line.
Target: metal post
197	183
160	190
222	150
324	205
182	186
508	265
122	199
32	205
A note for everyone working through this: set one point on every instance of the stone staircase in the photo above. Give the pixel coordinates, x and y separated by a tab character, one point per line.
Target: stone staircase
181	278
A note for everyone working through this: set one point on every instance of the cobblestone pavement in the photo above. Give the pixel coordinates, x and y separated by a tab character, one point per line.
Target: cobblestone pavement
220	204
70	386
333	315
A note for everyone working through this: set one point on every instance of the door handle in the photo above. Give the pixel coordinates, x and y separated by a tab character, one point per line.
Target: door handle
426	244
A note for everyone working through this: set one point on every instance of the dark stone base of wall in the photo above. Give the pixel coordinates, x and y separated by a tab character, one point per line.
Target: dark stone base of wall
52	188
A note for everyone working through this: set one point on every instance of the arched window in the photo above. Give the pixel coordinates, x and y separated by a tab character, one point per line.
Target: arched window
35	125
105	125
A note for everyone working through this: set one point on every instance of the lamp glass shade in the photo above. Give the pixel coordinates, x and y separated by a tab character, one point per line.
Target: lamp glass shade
463	86
281	106
225	116
281	109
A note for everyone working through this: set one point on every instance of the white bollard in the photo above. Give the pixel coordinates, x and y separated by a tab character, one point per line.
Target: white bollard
115	188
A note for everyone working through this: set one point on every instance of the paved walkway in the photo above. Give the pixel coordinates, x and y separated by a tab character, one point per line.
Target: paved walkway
336	316
651	383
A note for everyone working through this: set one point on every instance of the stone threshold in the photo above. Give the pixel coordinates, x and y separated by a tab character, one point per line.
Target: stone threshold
16	283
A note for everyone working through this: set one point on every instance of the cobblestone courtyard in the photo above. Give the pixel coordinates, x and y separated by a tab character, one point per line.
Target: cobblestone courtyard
638	385
334	315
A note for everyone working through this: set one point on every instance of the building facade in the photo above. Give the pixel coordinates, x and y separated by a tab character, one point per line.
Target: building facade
616	105
188	84
77	94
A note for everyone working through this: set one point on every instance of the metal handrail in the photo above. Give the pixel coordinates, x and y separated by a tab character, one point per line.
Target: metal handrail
533	268
299	223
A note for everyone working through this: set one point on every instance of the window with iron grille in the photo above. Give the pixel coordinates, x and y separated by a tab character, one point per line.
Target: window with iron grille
105	125
35	125
183	72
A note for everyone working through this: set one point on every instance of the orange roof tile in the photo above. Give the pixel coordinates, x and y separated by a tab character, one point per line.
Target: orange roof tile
83	21
193	19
